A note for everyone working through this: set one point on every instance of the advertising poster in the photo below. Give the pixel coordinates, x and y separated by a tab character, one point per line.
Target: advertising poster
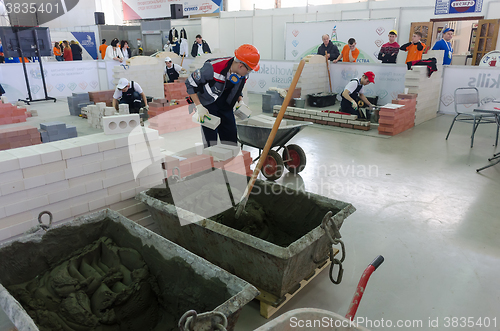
86	40
304	38
141	9
271	74
444	7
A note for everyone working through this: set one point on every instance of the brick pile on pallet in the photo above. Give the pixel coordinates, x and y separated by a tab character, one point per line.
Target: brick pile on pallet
54	131
175	91
166	118
331	118
314	77
396	117
148	75
427	88
75	176
19	137
12	114
102	96
77	101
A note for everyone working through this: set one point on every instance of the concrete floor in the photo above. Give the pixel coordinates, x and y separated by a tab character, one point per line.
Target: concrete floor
420	204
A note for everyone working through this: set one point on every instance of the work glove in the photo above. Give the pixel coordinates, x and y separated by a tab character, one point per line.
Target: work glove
355	105
202	112
146	107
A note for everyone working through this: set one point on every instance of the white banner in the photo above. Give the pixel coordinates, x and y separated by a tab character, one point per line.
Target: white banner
62	79
141	9
60	36
485	79
271	74
304	38
389	79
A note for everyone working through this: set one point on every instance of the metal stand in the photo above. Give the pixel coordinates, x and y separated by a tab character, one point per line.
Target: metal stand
37	50
495	157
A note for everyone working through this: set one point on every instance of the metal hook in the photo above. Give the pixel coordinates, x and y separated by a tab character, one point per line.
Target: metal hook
43	226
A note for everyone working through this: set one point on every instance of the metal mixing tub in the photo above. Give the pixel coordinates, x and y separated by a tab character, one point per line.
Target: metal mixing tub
33	254
272	268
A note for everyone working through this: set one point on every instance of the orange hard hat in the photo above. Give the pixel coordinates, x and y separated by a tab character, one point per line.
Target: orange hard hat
249	55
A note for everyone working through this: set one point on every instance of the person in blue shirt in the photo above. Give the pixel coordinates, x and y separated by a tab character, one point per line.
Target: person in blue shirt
445	45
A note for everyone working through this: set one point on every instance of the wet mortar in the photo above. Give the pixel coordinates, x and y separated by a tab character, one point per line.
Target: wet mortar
103	286
273	218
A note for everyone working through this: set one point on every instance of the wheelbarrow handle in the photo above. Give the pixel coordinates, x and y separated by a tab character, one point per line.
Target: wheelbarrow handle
362	286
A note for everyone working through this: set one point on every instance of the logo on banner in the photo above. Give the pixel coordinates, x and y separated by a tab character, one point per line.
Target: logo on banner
60	87
49	87
382	94
462	6
94	84
295	43
72	86
375	54
484	81
349	74
379	42
206	7
380	30
36	73
295	53
35	89
88	42
295	33
252	82
447	99
83	85
262	83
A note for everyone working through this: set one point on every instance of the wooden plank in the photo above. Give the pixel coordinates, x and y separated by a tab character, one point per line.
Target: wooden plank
268	301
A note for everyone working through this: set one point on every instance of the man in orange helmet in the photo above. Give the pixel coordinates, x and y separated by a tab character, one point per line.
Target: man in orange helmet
217	86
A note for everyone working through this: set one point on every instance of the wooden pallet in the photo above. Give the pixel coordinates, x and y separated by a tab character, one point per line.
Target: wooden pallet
270	304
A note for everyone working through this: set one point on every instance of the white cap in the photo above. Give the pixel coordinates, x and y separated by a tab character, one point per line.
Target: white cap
167	59
122	83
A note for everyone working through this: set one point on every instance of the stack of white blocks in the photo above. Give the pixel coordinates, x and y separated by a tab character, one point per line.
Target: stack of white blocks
314	76
264	121
75	176
149	77
427	88
222	152
123	109
96	112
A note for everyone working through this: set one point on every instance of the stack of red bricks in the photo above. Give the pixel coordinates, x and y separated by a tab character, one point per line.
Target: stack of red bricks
165	118
12	114
398	117
175	91
19	137
198	163
102	96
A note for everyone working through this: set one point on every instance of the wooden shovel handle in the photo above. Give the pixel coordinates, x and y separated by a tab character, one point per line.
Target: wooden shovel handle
270	139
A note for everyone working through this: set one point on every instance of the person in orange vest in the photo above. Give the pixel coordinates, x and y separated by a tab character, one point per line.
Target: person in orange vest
57	52
349	53
217	87
102	49
415	48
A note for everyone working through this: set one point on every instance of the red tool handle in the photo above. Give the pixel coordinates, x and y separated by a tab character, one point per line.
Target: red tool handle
496	108
360	290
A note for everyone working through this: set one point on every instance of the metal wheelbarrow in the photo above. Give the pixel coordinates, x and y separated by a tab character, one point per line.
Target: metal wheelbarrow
293	157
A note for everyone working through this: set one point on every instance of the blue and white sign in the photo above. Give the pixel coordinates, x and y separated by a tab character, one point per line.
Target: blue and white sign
87	41
444	7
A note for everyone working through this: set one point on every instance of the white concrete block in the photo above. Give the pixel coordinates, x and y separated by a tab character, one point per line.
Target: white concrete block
84	179
83	160
20	228
121	141
46	189
23	206
8	162
94	186
97	204
113	181
61	215
234	149
34	182
113	199
114	153
128	194
59	196
218	153
44	169
109	164
49	153
76	191
13	198
9	221
28	156
75	171
120	123
141	134
121	170
122	187
68	149
92	168
211	123
12	187
80	209
55	177
11	176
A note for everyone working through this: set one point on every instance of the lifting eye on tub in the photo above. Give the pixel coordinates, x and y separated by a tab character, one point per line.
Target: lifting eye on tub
43	226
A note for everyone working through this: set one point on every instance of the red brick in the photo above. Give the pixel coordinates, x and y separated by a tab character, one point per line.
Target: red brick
407	96
359	127
345	125
333	123
322	122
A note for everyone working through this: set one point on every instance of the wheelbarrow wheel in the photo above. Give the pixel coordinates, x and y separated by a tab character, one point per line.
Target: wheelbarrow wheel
272	168
295	159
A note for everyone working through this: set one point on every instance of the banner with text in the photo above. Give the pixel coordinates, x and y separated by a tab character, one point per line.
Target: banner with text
86	40
304	38
141	9
62	79
485	79
271	74
444	7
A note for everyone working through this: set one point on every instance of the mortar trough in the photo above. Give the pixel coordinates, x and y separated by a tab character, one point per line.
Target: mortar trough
298	247
164	279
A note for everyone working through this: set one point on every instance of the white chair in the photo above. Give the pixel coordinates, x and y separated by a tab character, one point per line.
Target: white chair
470	96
